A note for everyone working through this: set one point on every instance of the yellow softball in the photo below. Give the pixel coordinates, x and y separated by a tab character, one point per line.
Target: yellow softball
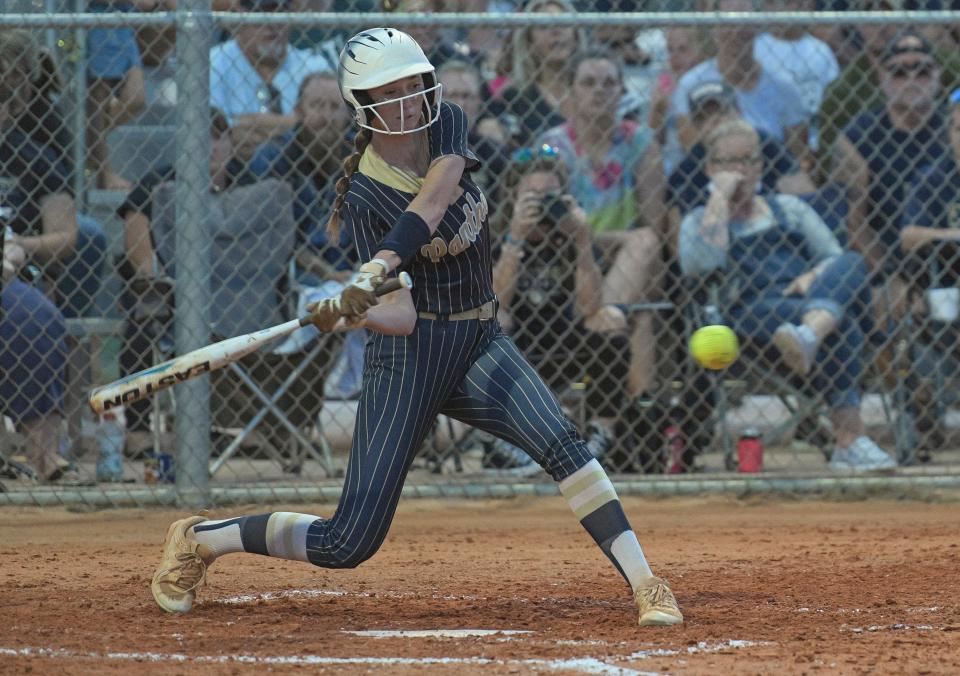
714	347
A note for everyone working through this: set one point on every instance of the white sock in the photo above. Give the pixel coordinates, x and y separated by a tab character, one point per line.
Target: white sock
594	501
221	537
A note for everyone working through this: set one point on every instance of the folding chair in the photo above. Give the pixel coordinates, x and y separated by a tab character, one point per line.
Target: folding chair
756	371
251	238
928	365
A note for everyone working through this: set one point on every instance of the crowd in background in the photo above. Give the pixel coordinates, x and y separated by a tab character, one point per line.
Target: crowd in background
819	167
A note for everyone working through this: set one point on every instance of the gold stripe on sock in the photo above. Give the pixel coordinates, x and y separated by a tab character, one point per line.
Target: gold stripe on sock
573	490
588	508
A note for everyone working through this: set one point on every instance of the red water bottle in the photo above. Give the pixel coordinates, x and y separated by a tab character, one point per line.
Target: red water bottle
750	451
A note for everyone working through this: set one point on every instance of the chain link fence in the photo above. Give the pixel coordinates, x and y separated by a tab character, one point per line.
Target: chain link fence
166	176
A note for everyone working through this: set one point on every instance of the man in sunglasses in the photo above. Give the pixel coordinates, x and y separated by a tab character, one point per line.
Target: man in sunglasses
858	87
883	150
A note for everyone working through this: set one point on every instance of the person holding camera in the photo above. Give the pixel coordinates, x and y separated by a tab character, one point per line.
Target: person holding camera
550	291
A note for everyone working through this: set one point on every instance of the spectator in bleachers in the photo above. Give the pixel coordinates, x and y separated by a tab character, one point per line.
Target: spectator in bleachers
463	85
930	240
116	89
686	47
859	86
617	178
550	291
533	97
795	55
32	335
796	289
308	158
69	248
688	187
438	44
931	213
766	101
883	150
255	78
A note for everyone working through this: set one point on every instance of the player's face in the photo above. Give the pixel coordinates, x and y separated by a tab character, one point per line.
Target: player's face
321	110
596	87
462	88
399	115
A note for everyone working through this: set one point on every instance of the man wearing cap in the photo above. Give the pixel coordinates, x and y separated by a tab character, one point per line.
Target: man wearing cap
710	104
256	76
858	87
884	150
766	101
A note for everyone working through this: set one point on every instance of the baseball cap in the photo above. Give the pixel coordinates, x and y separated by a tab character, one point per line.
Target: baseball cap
907	41
710	92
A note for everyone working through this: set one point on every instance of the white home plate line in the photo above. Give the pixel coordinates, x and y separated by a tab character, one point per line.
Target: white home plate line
434	633
589	665
240	599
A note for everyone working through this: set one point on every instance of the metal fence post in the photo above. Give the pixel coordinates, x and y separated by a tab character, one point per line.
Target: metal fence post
194	28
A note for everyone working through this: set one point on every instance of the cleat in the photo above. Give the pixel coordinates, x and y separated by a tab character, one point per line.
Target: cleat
182	569
658	607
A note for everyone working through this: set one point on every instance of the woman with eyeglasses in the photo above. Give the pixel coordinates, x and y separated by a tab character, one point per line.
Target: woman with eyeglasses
791	285
409	203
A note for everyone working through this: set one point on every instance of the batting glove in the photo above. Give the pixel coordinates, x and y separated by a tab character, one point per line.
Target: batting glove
359	296
324	314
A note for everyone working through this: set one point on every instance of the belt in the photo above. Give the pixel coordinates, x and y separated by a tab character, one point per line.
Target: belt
484	313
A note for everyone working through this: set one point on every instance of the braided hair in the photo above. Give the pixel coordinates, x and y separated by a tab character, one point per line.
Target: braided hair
350	165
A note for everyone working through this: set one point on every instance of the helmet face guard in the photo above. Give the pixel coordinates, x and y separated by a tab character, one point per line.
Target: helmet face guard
379	56
367	112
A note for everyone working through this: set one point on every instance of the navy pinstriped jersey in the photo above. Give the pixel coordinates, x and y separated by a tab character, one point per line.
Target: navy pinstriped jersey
454	272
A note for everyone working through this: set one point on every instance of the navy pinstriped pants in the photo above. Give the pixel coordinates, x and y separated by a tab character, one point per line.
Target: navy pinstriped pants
468	370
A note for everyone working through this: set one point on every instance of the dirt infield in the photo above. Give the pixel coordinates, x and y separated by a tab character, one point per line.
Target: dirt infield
510	586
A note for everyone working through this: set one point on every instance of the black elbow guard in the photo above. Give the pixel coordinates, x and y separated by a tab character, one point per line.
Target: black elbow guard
407	235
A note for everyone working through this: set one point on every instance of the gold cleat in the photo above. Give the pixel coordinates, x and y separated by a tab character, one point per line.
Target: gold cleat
182	569
657	604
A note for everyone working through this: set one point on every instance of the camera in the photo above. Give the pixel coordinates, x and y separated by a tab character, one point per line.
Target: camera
552	208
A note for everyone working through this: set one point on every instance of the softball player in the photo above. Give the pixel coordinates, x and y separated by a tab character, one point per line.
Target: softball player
409	203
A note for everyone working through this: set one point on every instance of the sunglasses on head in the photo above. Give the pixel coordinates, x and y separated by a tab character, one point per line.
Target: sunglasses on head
918	69
526	155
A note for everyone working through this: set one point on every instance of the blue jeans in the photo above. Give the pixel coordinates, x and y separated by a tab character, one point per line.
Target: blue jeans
842	289
80	279
33	353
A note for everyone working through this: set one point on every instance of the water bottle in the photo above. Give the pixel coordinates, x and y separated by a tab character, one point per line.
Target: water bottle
750	451
111	436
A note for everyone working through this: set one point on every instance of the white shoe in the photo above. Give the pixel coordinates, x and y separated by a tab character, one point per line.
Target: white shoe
797	352
863	455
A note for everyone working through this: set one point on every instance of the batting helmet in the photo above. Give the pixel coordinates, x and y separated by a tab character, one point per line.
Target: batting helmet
375	57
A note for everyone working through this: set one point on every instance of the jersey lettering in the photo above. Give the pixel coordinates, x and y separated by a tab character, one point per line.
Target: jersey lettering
475	213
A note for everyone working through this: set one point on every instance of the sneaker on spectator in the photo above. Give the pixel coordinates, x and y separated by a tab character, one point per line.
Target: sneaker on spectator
863	455
599	440
503	458
798	346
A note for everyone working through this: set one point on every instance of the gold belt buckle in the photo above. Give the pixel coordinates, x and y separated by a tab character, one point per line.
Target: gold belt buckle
487	311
